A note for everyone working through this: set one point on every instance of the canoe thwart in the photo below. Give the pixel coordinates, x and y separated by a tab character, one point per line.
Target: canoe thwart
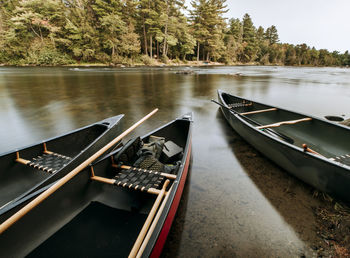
103	179
291	122
113	182
169	176
239	104
258	111
49	161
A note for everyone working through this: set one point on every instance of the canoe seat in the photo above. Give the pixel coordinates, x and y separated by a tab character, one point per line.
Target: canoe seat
139	179
345	159
50	162
239	104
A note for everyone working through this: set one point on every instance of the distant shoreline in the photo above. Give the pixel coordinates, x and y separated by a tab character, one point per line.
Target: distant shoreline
157	63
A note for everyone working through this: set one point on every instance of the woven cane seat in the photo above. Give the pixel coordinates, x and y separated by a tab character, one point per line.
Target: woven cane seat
50	162
344	159
139	179
150	163
239	104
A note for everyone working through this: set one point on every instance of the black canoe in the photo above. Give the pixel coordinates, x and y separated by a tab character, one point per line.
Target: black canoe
314	150
103	209
30	168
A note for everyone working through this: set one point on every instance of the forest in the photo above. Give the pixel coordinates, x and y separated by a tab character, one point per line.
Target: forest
149	32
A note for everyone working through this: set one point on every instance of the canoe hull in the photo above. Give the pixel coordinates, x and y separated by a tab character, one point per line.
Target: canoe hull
36	229
319	172
25	180
170	216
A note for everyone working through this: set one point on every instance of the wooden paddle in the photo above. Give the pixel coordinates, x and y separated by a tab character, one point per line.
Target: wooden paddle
291	122
18	215
148	221
154	224
307	149
284	137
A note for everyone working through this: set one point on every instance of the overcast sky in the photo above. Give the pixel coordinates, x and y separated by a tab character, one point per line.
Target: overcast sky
318	23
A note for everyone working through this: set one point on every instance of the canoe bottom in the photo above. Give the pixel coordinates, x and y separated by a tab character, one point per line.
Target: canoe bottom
97	231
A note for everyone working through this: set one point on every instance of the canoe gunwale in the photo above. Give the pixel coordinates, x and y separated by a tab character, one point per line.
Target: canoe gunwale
50	139
155	243
220	93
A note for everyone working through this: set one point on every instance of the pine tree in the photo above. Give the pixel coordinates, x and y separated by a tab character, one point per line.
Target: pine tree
208	25
198	18
271	35
177	36
263	45
81	34
116	35
249	40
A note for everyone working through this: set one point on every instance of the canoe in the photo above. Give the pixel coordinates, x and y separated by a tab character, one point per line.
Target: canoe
312	149
33	167
118	206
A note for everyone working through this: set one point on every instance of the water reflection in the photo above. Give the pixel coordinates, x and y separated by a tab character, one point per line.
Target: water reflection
237	203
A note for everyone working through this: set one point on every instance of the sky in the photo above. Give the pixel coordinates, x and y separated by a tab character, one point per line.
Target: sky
318	23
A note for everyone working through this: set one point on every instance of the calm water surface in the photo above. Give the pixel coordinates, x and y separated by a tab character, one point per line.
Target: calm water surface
225	211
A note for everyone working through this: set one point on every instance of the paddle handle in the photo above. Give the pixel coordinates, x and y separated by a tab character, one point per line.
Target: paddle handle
18	215
307	149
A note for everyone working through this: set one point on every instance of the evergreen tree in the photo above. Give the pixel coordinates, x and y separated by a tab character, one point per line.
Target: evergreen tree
233	41
132	39
346	58
81	34
33	31
250	42
117	37
263	46
177	35
271	35
198	18
208	26
114	31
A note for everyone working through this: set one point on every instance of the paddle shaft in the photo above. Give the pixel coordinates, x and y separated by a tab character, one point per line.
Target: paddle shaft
154	224
18	215
148	221
286	138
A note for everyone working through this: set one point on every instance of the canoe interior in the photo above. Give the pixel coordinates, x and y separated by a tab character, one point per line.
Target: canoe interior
87	218
326	138
16	178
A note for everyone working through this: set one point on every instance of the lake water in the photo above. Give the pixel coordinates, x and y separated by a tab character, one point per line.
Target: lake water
236	202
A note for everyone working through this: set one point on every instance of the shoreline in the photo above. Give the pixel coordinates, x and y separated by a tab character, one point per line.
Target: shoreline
171	63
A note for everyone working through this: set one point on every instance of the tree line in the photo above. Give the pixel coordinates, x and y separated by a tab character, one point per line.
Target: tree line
57	32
